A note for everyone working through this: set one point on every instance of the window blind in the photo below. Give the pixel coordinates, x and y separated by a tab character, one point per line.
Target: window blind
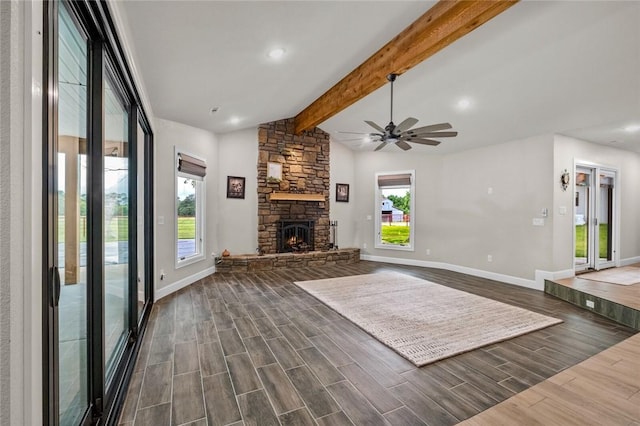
394	180
191	165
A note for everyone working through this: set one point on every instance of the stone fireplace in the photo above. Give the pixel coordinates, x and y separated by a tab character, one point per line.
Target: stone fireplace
295	236
303	188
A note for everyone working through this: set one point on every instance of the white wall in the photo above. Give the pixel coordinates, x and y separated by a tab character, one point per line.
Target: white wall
455	216
567	152
342	171
427	177
20	212
238	219
203	144
476	224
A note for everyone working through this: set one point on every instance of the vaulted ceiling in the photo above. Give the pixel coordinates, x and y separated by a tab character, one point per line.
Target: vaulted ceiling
540	67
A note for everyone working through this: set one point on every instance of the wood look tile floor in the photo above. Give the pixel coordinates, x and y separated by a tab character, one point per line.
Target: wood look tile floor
627	295
254	349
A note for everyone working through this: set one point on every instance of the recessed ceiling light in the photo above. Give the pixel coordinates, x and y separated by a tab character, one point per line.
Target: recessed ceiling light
234	120
276	53
632	128
463	104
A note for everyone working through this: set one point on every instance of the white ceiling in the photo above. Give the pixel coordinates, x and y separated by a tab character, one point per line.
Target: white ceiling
540	67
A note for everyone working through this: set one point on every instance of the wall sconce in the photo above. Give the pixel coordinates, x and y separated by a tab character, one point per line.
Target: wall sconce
564	180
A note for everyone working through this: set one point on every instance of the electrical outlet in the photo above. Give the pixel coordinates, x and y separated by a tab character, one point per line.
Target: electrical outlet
364	245
590	304
489	258
428	252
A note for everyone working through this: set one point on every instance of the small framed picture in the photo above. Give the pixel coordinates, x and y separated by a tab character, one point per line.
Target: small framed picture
274	171
235	187
342	192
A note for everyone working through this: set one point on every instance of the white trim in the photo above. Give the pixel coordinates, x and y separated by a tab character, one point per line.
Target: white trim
552	275
630	261
159	293
378	212
522	282
200	194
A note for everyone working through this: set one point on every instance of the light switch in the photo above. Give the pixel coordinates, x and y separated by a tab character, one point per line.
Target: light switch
562	211
160	220
538	221
369	217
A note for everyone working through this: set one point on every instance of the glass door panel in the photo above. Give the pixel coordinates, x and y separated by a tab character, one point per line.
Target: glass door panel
582	217
116	225
71	233
606	218
141	278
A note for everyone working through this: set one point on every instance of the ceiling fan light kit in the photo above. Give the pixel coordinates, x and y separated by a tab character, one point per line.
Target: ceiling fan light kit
402	133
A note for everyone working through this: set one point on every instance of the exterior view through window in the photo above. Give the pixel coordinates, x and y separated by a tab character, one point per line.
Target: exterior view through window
189	209
395	207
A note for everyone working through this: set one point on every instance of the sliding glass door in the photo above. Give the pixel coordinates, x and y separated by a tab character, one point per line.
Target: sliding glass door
98	256
70	238
116	222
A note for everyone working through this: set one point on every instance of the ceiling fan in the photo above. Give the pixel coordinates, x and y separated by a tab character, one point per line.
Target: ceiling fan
402	133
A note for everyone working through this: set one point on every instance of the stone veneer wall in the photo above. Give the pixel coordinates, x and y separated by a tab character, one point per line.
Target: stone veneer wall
305	169
269	262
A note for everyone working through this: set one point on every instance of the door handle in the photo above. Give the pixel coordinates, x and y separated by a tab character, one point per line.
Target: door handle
55	279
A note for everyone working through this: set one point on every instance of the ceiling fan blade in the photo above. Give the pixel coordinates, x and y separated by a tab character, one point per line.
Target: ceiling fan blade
355	133
405	146
431	128
374	125
350	140
431	134
379	147
406	124
422	141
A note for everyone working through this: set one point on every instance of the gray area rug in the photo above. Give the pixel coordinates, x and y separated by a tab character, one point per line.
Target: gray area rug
626	275
421	320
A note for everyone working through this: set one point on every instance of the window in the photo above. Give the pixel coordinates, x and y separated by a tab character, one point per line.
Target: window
190	174
395	210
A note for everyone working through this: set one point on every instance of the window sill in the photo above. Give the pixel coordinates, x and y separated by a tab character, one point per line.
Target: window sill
393	247
189	260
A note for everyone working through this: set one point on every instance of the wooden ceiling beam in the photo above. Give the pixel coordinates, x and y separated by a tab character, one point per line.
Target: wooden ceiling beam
444	23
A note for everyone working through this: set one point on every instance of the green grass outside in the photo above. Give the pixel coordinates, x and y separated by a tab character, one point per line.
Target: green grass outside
118	228
581	240
186	228
395	234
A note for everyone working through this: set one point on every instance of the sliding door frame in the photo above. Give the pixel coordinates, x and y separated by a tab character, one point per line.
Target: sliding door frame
105	399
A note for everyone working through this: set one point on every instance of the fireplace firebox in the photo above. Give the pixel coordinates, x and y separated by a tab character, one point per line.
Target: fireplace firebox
295	236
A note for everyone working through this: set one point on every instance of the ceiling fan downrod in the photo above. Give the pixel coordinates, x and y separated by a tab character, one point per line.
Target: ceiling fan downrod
391	77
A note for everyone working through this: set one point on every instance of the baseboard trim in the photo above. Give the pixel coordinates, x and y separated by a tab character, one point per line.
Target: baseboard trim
172	288
541	276
522	282
630	261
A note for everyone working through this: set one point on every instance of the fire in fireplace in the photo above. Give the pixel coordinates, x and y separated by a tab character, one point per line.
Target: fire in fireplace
295	236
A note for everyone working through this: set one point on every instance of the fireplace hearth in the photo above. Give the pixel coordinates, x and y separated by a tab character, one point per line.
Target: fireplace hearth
295	236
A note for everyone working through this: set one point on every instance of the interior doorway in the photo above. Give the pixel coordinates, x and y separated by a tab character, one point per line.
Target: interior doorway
595	213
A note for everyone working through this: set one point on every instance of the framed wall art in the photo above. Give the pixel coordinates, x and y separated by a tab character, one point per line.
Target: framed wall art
342	192
235	187
274	172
